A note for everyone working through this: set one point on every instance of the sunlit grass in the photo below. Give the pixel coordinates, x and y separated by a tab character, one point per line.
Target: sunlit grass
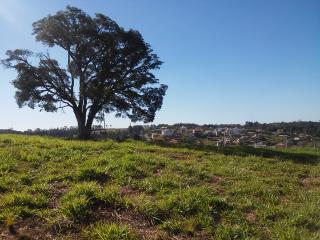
134	190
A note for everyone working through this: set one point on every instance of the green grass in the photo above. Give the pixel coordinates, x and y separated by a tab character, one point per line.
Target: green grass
69	189
110	232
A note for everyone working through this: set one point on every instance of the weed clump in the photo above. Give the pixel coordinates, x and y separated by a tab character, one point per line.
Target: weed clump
91	174
21	204
110	231
78	203
81	201
7	141
150	210
191	201
24	199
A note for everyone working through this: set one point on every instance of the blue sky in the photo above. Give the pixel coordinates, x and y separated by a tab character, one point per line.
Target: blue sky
224	61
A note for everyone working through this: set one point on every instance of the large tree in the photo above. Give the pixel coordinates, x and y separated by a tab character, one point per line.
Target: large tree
109	69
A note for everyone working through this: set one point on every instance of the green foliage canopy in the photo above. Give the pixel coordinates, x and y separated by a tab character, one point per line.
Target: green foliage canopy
109	69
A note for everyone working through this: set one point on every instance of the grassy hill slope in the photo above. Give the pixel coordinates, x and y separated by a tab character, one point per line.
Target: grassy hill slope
59	189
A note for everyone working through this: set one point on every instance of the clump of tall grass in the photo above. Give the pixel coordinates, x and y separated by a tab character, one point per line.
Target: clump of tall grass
77	204
91	174
83	198
110	231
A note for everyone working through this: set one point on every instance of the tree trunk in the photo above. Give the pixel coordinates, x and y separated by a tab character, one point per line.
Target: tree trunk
85	122
84	131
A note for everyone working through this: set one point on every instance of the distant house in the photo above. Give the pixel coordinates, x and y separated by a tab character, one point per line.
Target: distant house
237	141
296	140
279	131
280	145
259	144
174	141
183	129
166	132
197	130
235	131
220	131
227	141
156	137
191	137
290	143
220	143
224	142
210	133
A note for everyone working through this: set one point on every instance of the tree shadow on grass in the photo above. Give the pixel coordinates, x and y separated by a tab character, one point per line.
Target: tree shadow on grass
297	157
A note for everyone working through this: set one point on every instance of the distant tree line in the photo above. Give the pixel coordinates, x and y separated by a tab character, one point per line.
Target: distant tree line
138	131
306	127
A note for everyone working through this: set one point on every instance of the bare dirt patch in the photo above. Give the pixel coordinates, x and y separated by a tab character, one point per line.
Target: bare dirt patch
251	217
58	189
129	191
30	228
215	179
136	222
311	182
177	155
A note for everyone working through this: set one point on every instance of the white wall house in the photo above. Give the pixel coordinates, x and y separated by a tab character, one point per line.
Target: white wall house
235	131
166	132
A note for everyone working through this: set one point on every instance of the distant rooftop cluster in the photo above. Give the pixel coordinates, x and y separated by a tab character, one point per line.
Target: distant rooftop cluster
226	136
276	135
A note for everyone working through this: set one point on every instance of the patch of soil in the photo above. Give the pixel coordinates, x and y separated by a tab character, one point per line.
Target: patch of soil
310	182
216	179
135	221
58	189
129	191
251	217
177	155
158	172
28	229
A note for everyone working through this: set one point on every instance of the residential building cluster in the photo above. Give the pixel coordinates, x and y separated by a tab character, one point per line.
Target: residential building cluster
226	136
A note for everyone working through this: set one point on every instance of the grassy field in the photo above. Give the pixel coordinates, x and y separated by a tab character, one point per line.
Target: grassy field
67	189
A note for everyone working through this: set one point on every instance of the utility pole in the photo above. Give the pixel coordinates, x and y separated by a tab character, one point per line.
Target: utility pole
104	121
286	143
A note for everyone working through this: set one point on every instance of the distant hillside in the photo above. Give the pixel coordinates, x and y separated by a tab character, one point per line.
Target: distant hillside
66	189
